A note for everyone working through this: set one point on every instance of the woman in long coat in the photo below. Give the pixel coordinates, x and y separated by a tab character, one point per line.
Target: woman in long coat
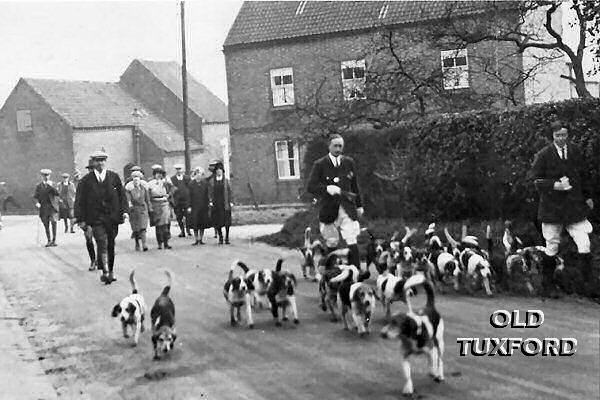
199	211
138	198
160	191
220	201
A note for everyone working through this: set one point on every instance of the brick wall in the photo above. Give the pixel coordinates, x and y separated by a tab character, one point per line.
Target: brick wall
22	155
142	84
255	124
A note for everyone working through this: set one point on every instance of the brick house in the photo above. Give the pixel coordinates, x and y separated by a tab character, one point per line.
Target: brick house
57	124
278	54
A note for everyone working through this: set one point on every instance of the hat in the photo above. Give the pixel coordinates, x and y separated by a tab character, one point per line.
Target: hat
178	166
430	229
137	174
135	168
157	168
470	240
214	161
45	171
99	155
65	175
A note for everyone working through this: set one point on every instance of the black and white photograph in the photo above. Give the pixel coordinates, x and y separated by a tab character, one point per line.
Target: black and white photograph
296	200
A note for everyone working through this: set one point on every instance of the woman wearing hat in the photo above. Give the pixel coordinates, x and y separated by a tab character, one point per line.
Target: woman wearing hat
138	199
66	189
159	190
47	198
220	201
199	211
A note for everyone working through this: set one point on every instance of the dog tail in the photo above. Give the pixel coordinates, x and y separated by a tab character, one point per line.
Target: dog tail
134	289
307	237
278	265
238	263
167	288
417	280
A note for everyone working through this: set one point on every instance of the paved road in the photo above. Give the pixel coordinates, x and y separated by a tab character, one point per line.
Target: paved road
67	319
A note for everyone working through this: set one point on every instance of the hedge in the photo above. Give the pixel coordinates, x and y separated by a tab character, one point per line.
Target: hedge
463	166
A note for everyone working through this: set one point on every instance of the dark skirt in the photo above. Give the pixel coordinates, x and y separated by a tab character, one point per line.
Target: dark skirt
65	212
200	218
221	217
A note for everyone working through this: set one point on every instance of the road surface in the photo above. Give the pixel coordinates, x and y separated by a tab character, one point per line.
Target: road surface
66	315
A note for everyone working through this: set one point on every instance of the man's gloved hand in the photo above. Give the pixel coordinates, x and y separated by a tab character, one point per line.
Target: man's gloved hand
333	190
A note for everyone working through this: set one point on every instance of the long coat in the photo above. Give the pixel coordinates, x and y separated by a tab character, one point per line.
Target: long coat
561	207
159	191
221	206
181	191
323	174
139	206
100	203
47	195
200	216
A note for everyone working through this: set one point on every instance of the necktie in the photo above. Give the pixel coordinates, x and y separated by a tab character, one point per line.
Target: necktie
562	153
337	161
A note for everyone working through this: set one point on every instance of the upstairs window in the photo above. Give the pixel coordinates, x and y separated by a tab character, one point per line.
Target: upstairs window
24	121
300	8
288	159
455	69
353	79
282	86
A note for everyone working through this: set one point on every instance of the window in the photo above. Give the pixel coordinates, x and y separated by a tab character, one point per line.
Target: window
353	79
455	69
300	8
24	121
383	11
288	159
282	85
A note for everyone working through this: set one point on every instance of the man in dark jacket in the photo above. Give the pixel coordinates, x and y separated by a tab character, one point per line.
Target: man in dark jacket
333	181
560	177
47	200
181	199
101	205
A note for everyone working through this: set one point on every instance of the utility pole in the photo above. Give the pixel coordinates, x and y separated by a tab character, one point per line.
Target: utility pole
186	140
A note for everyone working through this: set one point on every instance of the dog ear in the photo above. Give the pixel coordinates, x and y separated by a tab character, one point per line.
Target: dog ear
116	311
174	335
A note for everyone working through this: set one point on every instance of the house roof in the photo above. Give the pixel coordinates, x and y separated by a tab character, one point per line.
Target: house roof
262	21
200	100
85	104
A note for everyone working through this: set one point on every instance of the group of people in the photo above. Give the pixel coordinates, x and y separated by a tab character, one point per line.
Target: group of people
99	203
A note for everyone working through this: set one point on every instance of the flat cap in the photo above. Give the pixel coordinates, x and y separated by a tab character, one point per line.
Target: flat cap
215	161
137	174
65	175
157	168
178	166
135	168
45	171
99	155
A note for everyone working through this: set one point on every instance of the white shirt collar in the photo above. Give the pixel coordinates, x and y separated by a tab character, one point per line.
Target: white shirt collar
179	178
558	149
335	160
100	176
219	179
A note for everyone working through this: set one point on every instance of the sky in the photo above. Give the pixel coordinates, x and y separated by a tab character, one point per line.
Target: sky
96	40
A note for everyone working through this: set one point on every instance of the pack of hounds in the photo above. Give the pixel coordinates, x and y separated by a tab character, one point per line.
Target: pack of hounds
342	288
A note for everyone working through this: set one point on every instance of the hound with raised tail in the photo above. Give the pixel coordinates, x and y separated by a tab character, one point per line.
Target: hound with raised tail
162	316
258	284
390	288
282	295
237	293
132	311
311	254
359	298
421	332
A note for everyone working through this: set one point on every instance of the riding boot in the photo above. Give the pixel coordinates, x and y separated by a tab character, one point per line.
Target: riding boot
227	235
137	243
220	232
181	227
47	229
548	267
66	225
54	225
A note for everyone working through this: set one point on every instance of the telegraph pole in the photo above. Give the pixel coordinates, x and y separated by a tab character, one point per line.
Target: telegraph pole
186	140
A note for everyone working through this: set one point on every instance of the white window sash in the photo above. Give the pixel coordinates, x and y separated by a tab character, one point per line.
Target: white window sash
455	77
285	163
283	93
353	88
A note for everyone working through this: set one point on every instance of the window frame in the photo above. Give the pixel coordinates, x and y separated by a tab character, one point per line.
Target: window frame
284	87
19	119
350	84
295	159
454	54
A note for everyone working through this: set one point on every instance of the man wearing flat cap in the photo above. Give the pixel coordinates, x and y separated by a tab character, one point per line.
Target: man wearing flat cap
101	205
66	188
181	199
560	176
47	202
